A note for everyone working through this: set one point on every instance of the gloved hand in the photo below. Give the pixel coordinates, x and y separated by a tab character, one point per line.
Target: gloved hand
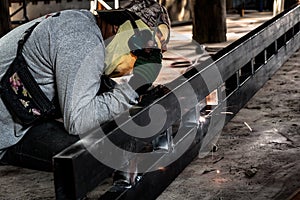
146	70
107	84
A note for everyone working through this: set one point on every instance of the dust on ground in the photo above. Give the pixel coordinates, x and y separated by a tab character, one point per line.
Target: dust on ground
258	152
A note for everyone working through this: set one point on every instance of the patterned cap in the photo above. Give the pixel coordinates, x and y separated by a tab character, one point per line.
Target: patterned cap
149	11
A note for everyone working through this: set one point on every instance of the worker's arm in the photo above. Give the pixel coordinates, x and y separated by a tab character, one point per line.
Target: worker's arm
79	66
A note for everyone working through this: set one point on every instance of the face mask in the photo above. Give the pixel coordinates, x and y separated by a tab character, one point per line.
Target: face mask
118	60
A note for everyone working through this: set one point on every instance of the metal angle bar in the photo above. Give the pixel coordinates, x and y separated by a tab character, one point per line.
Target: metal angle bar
75	177
154	179
241	96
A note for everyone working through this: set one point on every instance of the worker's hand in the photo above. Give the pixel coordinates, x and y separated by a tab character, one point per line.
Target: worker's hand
146	70
107	84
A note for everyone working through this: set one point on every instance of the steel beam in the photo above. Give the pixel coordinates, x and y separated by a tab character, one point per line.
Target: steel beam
244	67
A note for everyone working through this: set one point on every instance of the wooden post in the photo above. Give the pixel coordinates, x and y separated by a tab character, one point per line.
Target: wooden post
290	3
229	4
209	21
4	17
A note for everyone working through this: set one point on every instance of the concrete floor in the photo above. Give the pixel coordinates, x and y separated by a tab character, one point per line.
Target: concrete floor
182	48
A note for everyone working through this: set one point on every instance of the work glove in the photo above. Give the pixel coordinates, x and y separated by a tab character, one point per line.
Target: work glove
146	70
107	84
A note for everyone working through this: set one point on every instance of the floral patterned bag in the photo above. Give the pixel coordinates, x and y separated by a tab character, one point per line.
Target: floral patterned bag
21	94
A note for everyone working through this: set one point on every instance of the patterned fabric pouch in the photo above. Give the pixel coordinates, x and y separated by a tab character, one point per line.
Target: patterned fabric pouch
21	94
23	98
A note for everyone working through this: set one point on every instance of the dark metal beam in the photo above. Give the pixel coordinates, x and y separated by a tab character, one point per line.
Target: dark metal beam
244	67
153	183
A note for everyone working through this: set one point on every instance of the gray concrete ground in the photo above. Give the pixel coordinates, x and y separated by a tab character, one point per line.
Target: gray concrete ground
183	48
258	161
258	151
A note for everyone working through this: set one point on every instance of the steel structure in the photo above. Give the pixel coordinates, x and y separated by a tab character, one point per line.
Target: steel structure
23	5
244	67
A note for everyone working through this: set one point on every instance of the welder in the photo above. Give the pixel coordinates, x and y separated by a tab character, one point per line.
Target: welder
55	76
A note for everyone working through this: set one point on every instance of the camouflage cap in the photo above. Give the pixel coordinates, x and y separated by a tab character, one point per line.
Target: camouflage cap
149	11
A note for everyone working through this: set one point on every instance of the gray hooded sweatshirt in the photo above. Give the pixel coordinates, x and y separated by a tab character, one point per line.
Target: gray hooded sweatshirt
65	54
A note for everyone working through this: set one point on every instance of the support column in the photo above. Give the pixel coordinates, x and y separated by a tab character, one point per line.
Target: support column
4	17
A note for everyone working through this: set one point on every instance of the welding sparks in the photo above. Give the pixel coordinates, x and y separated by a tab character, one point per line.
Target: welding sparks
202	119
218	171
248	126
227	113
162	169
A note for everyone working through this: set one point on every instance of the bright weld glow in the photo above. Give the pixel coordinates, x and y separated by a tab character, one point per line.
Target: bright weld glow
116	4
248	126
162	168
228	113
218	171
202	119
